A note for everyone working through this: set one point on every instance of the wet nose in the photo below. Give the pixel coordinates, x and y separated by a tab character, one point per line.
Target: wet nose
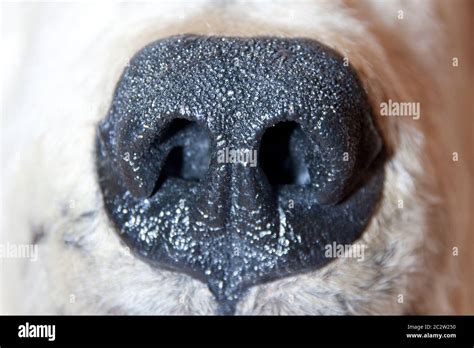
238	160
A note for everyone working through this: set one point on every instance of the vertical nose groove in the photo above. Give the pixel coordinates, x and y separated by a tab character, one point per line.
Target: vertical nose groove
212	202
252	191
237	205
237	197
231	237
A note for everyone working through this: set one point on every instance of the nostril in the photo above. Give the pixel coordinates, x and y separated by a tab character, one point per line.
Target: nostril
176	126
173	168
174	164
281	155
172	149
188	152
177	205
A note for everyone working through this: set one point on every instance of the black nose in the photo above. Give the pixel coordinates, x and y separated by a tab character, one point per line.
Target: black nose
238	160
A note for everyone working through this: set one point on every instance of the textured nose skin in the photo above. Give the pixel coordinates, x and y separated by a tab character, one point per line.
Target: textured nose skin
185	101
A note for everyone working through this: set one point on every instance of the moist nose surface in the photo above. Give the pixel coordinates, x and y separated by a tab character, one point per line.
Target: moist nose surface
237	160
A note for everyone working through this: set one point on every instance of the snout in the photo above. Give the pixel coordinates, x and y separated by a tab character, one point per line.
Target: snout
237	160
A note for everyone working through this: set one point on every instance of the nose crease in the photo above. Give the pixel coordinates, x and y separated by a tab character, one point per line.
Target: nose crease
203	209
